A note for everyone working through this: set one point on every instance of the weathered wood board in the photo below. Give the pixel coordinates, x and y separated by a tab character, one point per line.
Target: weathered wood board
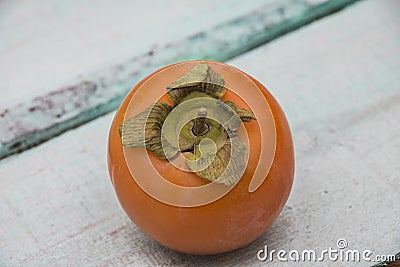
113	47
50	44
338	81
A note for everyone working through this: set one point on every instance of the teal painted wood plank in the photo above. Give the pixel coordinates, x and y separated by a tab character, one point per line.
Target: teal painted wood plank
44	47
43	117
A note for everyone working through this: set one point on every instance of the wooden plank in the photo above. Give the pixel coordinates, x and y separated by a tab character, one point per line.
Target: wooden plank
63	41
40	117
342	98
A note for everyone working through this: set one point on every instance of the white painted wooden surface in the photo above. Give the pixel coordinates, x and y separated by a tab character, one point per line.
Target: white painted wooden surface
45	44
35	113
338	81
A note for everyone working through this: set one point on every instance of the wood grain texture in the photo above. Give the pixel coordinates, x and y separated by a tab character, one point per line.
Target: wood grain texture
51	43
342	97
44	115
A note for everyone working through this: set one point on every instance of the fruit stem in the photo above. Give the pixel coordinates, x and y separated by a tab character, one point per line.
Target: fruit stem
200	126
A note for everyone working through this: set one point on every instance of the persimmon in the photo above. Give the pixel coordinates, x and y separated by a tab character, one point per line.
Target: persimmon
201	157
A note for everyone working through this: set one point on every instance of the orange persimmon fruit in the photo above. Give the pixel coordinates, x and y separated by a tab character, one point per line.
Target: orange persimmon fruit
231	221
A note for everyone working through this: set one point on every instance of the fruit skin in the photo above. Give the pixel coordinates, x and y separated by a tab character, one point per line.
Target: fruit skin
232	221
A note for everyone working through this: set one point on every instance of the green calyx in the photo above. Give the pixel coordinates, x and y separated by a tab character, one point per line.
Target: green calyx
200	79
198	123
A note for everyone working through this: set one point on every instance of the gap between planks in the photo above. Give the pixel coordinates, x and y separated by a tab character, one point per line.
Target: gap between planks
43	117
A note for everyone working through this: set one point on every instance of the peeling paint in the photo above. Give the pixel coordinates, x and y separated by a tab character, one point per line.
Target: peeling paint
33	122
